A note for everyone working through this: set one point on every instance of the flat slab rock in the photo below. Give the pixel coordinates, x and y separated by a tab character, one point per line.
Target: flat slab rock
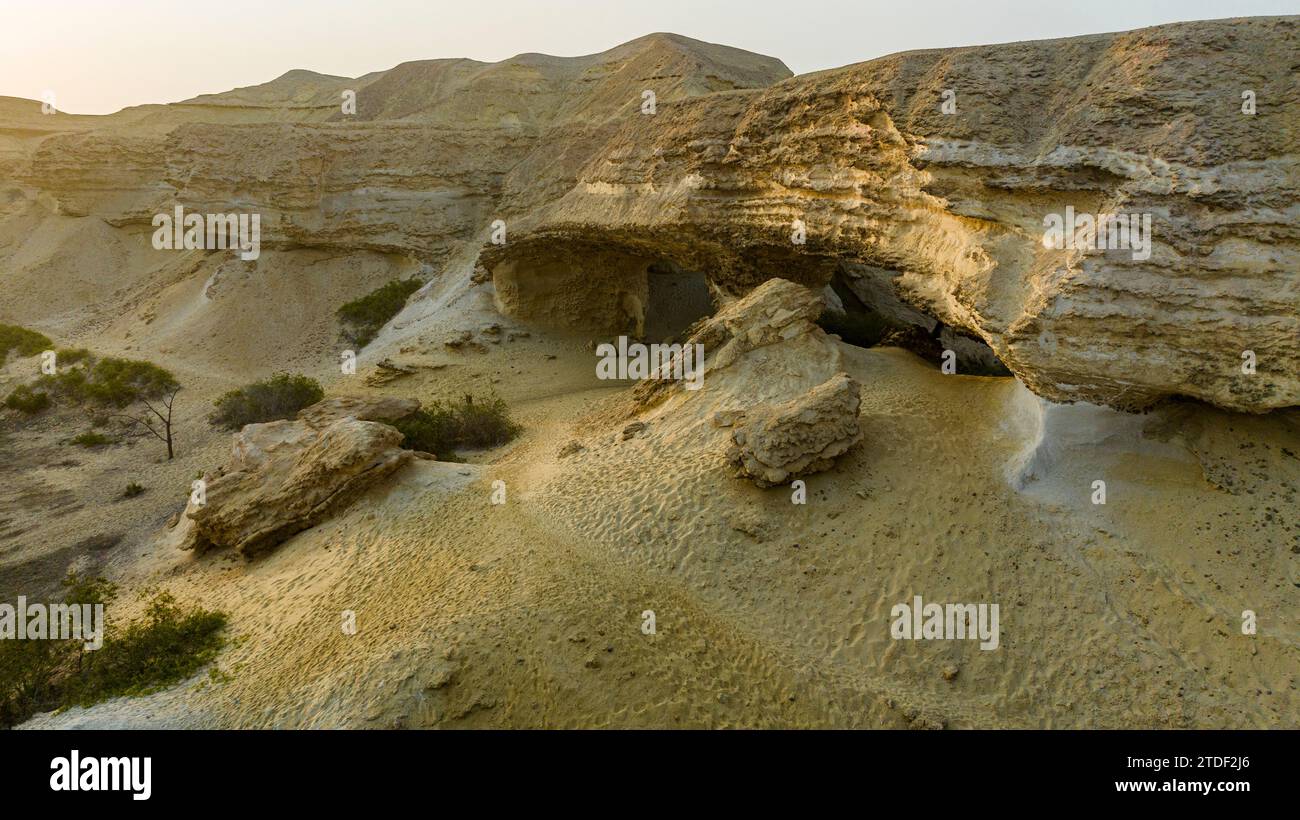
362	408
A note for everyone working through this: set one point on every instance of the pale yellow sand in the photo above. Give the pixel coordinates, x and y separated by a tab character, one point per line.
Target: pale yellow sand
768	613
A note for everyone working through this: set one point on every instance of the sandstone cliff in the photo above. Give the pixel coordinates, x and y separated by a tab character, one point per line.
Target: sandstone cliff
906	208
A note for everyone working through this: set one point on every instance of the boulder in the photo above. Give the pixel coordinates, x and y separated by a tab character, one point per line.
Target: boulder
775	443
776	311
287	476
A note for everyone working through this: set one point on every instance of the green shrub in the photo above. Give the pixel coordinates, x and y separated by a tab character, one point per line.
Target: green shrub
110	382
132	490
485	424
33	672
279	397
72	355
29	671
363	318
428	431
69	385
168	644
26	400
26	342
442	428
91	439
121	382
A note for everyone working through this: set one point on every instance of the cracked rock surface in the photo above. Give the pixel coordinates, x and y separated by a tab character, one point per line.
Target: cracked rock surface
778	442
283	477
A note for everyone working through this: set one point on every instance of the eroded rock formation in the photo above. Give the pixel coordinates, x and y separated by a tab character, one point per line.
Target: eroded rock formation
772	444
361	408
771	381
776	311
898	198
950	208
283	477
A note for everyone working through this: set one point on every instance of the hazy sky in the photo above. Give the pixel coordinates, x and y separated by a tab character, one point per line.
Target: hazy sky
98	56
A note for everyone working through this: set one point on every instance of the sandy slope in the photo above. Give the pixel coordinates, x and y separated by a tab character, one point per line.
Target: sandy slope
768	614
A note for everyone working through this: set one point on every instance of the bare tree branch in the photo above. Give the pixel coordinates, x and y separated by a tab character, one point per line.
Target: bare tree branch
168	401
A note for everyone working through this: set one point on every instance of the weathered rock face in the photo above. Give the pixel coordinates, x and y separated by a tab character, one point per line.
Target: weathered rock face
771	384
361	408
941	206
286	476
949	209
416	170
776	311
772	444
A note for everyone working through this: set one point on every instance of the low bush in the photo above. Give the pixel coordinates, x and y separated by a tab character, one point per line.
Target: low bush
25	342
363	318
279	397
33	672
429	432
168	644
26	400
485	424
72	355
442	428
132	490
91	439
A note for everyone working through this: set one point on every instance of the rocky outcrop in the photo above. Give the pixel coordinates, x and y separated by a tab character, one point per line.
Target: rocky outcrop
772	444
361	408
949	209
283	477
776	311
932	171
417	169
771	383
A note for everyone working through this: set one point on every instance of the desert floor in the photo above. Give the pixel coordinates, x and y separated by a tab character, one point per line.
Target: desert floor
768	613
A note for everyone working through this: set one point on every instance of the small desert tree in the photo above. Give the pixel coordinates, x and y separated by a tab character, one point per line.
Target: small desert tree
151	388
142	392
